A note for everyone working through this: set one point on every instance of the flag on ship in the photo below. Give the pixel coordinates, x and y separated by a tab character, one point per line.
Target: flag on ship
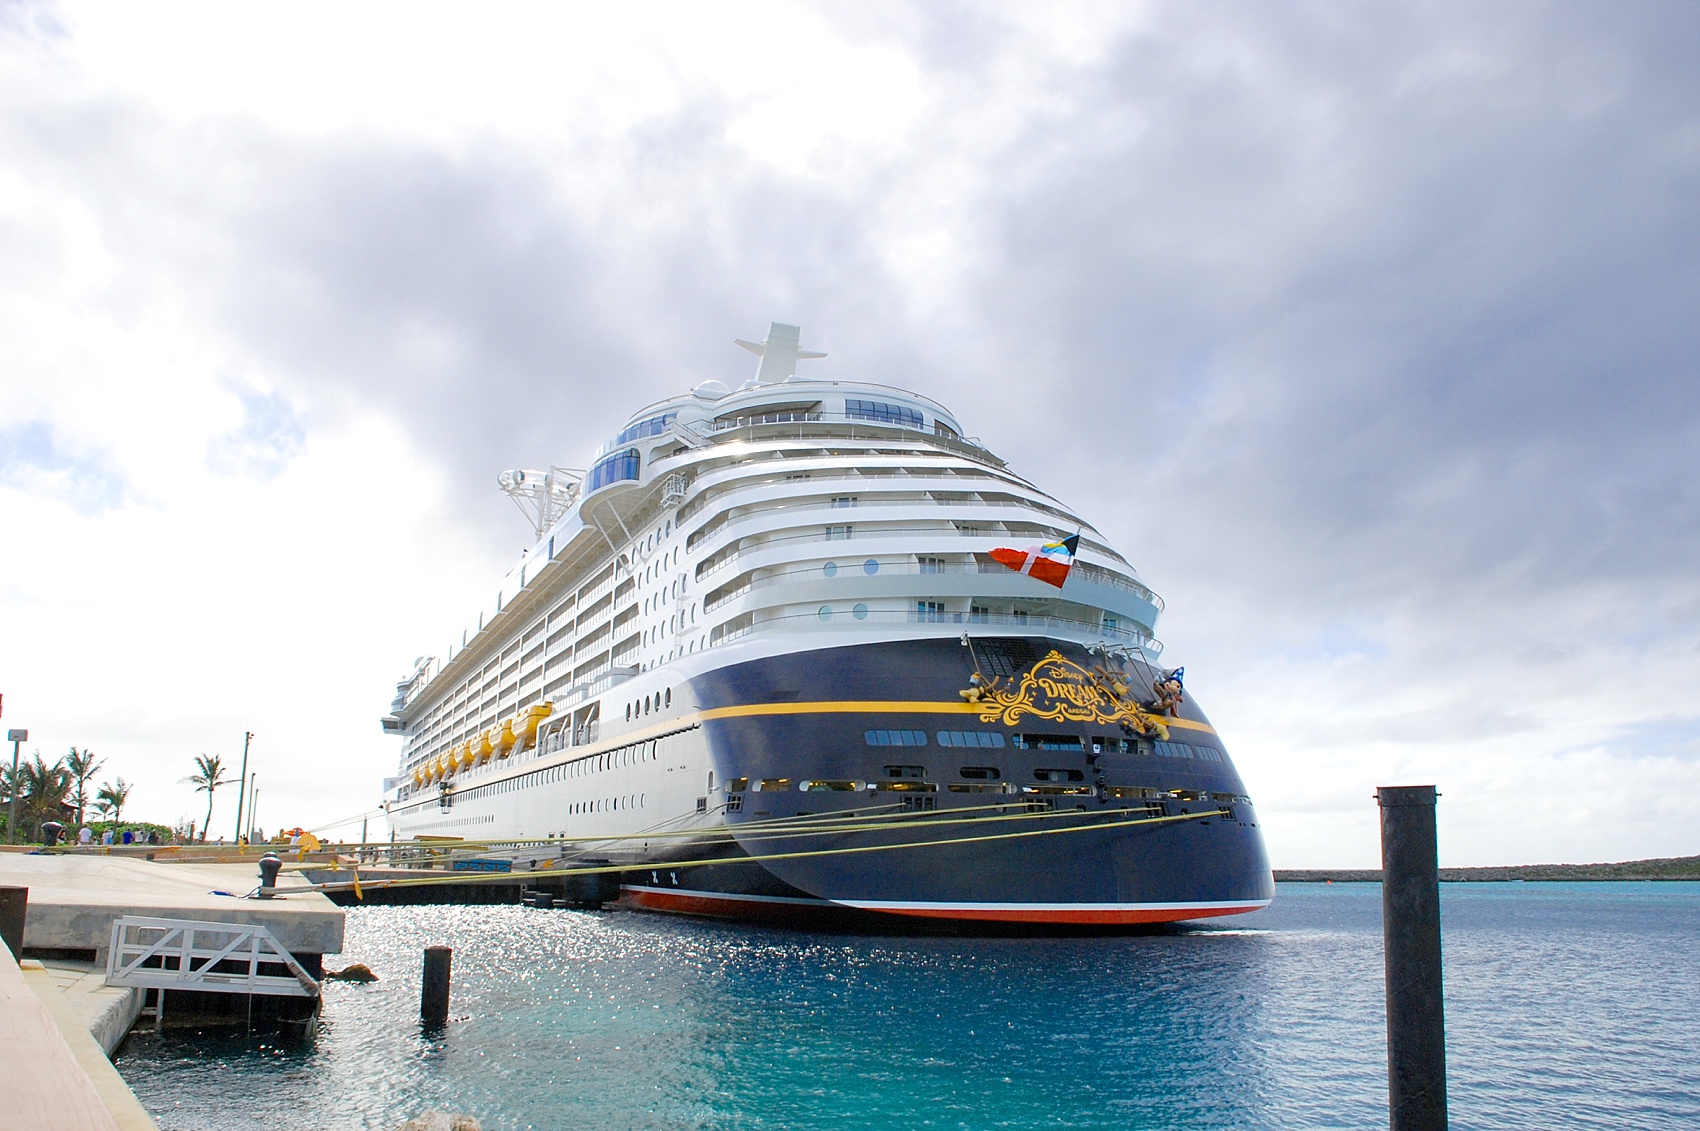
1048	563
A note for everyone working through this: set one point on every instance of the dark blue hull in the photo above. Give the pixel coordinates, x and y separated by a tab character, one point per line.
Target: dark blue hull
862	779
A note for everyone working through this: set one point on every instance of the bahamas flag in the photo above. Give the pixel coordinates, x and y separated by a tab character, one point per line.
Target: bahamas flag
1048	563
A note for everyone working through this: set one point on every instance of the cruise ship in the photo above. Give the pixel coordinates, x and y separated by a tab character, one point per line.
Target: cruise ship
803	648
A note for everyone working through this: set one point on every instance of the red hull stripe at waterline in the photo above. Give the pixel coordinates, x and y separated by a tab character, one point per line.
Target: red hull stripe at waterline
1079	914
1075	914
719	905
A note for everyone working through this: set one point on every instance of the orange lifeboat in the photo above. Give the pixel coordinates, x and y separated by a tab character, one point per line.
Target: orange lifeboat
525	723
502	737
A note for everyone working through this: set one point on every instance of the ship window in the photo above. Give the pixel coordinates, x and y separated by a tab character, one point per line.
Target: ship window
896	737
883	412
616	468
929	610
628	712
837	533
829	786
1047	742
773	785
737	785
1058	775
843	501
981	773
654	426
860	612
906	773
830	569
930	565
870	567
1173	750
971	739
825	612
1208	753
668	696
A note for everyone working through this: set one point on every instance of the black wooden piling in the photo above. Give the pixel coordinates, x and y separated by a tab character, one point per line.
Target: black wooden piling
1410	924
434	987
14	904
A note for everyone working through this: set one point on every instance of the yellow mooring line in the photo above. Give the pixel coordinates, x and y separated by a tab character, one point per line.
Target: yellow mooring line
484	877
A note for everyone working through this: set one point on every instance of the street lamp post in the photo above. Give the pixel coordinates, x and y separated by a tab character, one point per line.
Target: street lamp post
242	784
16	738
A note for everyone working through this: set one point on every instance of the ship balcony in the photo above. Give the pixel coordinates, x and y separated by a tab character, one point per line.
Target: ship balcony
913	622
873	580
757	551
839	426
778	513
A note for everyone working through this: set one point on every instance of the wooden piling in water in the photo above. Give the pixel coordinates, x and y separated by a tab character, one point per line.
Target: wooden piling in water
434	986
14	906
1410	923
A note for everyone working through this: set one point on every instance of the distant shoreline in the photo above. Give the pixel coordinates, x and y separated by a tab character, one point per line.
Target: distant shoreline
1668	868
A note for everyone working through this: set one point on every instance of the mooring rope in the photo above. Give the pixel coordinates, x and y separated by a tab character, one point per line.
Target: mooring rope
475	877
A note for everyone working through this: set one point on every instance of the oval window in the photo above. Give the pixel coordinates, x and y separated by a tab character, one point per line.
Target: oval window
870	567
825	612
668	695
830	569
860	612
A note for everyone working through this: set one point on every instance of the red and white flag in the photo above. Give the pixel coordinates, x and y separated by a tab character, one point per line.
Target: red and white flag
1049	563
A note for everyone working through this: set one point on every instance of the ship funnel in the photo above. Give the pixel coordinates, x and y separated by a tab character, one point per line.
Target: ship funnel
779	353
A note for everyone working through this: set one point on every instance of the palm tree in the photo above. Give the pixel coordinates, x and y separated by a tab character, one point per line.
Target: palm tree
43	790
83	765
208	776
112	797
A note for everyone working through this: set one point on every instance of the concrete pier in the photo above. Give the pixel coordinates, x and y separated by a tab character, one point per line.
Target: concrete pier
53	1073
73	900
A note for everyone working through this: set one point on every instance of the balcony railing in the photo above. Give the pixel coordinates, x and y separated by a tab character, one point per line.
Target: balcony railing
848	620
911	569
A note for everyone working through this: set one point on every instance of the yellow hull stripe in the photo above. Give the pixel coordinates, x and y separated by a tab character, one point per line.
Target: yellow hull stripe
885	706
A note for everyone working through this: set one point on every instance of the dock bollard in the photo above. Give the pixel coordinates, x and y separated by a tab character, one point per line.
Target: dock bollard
14	904
434	987
270	865
1410	925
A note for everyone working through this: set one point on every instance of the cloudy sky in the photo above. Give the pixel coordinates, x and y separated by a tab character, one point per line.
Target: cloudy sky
1368	332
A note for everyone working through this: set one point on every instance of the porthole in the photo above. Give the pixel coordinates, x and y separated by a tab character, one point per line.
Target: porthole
860	612
668	696
830	569
628	712
825	612
870	567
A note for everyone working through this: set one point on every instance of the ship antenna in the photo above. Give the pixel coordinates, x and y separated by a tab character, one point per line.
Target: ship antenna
543	496
779	353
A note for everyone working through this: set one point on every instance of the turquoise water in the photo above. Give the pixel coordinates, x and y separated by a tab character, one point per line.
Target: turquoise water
1568	1005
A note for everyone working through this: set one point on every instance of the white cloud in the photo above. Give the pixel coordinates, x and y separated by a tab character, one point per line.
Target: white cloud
1365	333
